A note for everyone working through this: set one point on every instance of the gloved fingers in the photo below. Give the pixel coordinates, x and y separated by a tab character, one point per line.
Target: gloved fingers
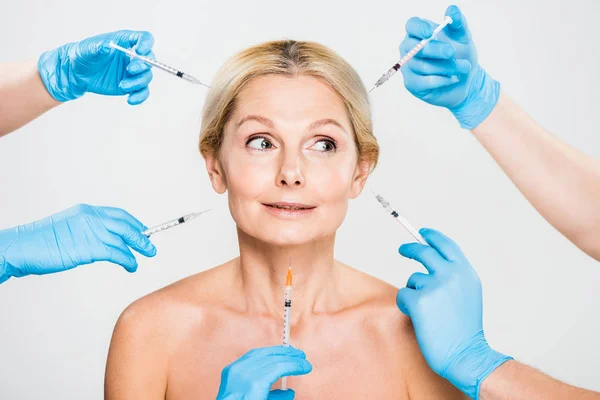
435	49
119	213
137	66
281	394
275	367
118	253
419	28
136	82
443	244
426	255
405	299
138	242
418	280
458	30
439	67
424	83
274	351
131	236
92	49
103	47
142	40
139	96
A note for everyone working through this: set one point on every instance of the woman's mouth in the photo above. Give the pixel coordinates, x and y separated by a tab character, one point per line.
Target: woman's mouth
285	209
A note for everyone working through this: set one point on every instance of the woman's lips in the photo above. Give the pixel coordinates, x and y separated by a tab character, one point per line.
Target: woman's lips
283	209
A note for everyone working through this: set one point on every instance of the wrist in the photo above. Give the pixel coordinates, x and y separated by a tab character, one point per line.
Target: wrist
478	105
55	72
471	364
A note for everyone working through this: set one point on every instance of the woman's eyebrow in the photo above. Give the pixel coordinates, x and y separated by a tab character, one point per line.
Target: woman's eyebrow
267	122
326	121
258	118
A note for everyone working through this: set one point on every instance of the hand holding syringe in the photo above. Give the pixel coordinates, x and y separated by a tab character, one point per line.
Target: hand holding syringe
385	77
158	64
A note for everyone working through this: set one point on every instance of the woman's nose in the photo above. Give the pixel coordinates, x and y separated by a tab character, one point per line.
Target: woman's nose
290	172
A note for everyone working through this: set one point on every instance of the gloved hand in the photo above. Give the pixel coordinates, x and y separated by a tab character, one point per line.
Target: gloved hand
79	235
445	307
253	374
91	65
446	72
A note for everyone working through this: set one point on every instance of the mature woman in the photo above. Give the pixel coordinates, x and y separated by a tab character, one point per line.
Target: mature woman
286	131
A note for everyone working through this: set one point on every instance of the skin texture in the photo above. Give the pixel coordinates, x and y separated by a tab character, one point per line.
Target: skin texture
562	183
175	342
23	96
515	381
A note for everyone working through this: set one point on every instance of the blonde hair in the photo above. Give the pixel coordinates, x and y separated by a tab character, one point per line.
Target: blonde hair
292	58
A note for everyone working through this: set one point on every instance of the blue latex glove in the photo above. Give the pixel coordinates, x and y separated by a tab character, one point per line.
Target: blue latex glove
446	72
253	374
445	307
91	65
79	235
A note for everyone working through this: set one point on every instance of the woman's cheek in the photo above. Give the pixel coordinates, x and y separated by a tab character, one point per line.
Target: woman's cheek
247	178
332	183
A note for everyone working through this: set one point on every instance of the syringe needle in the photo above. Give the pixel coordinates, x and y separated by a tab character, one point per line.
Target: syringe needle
196	81
191	216
403	221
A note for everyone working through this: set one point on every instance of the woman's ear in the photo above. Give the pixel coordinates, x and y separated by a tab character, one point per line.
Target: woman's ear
360	178
215	173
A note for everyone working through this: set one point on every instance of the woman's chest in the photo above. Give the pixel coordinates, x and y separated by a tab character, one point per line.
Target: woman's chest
348	364
349	372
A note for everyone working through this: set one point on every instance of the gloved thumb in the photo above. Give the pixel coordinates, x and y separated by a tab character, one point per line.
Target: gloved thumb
281	394
458	29
142	41
405	299
93	49
104	47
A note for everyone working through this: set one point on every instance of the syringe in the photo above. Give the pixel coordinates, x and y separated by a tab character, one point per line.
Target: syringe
157	64
384	78
399	218
287	302
171	224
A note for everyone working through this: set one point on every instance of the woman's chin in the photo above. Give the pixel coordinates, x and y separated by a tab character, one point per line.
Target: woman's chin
289	238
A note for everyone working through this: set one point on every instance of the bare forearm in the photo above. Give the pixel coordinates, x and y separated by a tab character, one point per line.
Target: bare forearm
562	183
515	381
23	96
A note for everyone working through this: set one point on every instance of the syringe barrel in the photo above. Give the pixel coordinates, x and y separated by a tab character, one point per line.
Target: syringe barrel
287	302
162	227
408	56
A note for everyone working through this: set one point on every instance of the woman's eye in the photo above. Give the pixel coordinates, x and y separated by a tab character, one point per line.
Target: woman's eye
259	143
324	145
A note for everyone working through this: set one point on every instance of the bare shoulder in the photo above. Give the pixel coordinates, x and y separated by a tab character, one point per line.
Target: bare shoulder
393	330
376	299
150	328
189	298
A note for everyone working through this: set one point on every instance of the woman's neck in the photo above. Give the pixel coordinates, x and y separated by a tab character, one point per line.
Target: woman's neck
263	268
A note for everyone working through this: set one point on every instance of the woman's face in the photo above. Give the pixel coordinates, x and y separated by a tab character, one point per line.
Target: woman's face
288	160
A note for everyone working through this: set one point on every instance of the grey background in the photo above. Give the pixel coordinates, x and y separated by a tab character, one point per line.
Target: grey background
540	292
